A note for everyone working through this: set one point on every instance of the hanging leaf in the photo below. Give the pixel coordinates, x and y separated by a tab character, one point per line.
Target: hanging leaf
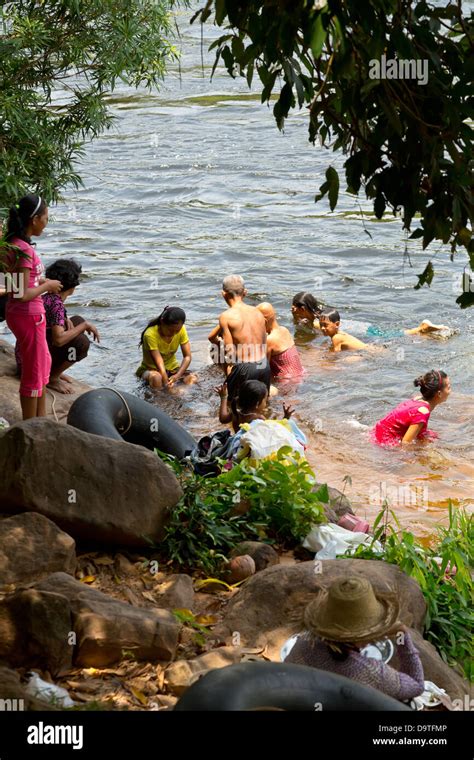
426	276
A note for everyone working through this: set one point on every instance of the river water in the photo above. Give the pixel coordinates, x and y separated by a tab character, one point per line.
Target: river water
196	182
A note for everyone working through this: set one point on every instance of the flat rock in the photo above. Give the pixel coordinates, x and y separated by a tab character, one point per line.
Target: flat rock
176	592
32	547
105	627
10	407
181	674
94	488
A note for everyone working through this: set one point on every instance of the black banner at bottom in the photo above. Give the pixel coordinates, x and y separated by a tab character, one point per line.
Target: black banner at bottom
129	734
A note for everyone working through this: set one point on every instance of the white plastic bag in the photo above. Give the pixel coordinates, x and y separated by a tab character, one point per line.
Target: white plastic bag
330	541
266	437
48	692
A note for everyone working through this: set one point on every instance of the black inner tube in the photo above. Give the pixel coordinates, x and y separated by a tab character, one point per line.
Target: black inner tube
106	412
254	685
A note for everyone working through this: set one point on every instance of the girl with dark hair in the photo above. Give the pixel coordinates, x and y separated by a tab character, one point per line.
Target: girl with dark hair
409	420
25	313
249	405
66	339
160	340
306	308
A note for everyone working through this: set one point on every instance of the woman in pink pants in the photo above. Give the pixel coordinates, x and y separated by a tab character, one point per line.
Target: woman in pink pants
25	315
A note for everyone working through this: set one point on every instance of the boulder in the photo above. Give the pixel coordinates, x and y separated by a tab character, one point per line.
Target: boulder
60	621
262	554
32	547
13	695
10	407
338	505
181	674
176	592
270	605
94	488
35	630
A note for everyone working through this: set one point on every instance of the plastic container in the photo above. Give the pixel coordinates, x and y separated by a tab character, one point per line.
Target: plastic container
354	523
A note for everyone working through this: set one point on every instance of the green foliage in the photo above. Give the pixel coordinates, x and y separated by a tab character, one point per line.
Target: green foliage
449	623
276	494
408	144
59	59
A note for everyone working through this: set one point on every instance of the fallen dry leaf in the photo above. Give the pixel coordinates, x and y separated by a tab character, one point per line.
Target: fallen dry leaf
139	696
149	596
88	579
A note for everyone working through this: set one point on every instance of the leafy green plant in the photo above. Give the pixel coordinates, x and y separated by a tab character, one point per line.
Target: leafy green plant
444	573
278	503
82	47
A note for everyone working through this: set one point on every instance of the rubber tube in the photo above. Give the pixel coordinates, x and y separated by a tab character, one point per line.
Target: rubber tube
252	685
101	411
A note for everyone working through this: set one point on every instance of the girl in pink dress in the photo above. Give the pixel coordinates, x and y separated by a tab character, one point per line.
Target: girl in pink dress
25	315
409	420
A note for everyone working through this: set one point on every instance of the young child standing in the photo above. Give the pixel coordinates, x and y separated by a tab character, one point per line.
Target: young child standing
25	312
409	420
160	341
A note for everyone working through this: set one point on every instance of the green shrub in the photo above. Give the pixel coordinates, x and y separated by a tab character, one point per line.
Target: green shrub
279	501
449	623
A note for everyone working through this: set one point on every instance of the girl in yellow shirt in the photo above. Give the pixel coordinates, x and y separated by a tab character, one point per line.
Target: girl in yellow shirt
160	341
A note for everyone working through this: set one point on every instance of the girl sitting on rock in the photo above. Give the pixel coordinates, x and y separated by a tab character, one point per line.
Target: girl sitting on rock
345	618
409	420
160	341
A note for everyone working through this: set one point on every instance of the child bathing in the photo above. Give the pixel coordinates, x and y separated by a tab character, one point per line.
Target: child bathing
409	420
160	340
307	309
248	406
285	362
329	321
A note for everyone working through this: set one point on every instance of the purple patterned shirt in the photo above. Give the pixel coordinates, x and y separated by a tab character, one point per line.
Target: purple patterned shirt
309	650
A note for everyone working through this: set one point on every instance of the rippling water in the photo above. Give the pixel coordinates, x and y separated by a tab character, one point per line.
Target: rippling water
196	182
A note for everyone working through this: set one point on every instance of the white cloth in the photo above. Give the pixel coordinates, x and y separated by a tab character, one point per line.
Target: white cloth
265	437
331	540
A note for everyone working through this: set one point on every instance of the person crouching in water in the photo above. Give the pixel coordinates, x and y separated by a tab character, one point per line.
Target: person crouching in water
160	341
285	362
409	420
342	620
66	340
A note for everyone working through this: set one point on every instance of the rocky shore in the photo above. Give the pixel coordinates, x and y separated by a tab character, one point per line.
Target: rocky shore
86	599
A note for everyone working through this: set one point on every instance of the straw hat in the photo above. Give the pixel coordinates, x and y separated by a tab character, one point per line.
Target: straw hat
350	611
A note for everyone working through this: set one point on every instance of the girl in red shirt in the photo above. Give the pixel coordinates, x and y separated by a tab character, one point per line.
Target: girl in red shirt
409	420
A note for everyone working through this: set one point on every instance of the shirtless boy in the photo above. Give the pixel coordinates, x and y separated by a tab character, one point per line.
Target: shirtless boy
242	337
330	320
285	362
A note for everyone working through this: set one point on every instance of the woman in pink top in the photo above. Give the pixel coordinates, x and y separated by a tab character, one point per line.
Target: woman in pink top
409	420
25	314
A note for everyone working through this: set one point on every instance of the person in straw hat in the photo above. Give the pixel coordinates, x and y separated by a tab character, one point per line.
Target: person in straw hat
341	621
